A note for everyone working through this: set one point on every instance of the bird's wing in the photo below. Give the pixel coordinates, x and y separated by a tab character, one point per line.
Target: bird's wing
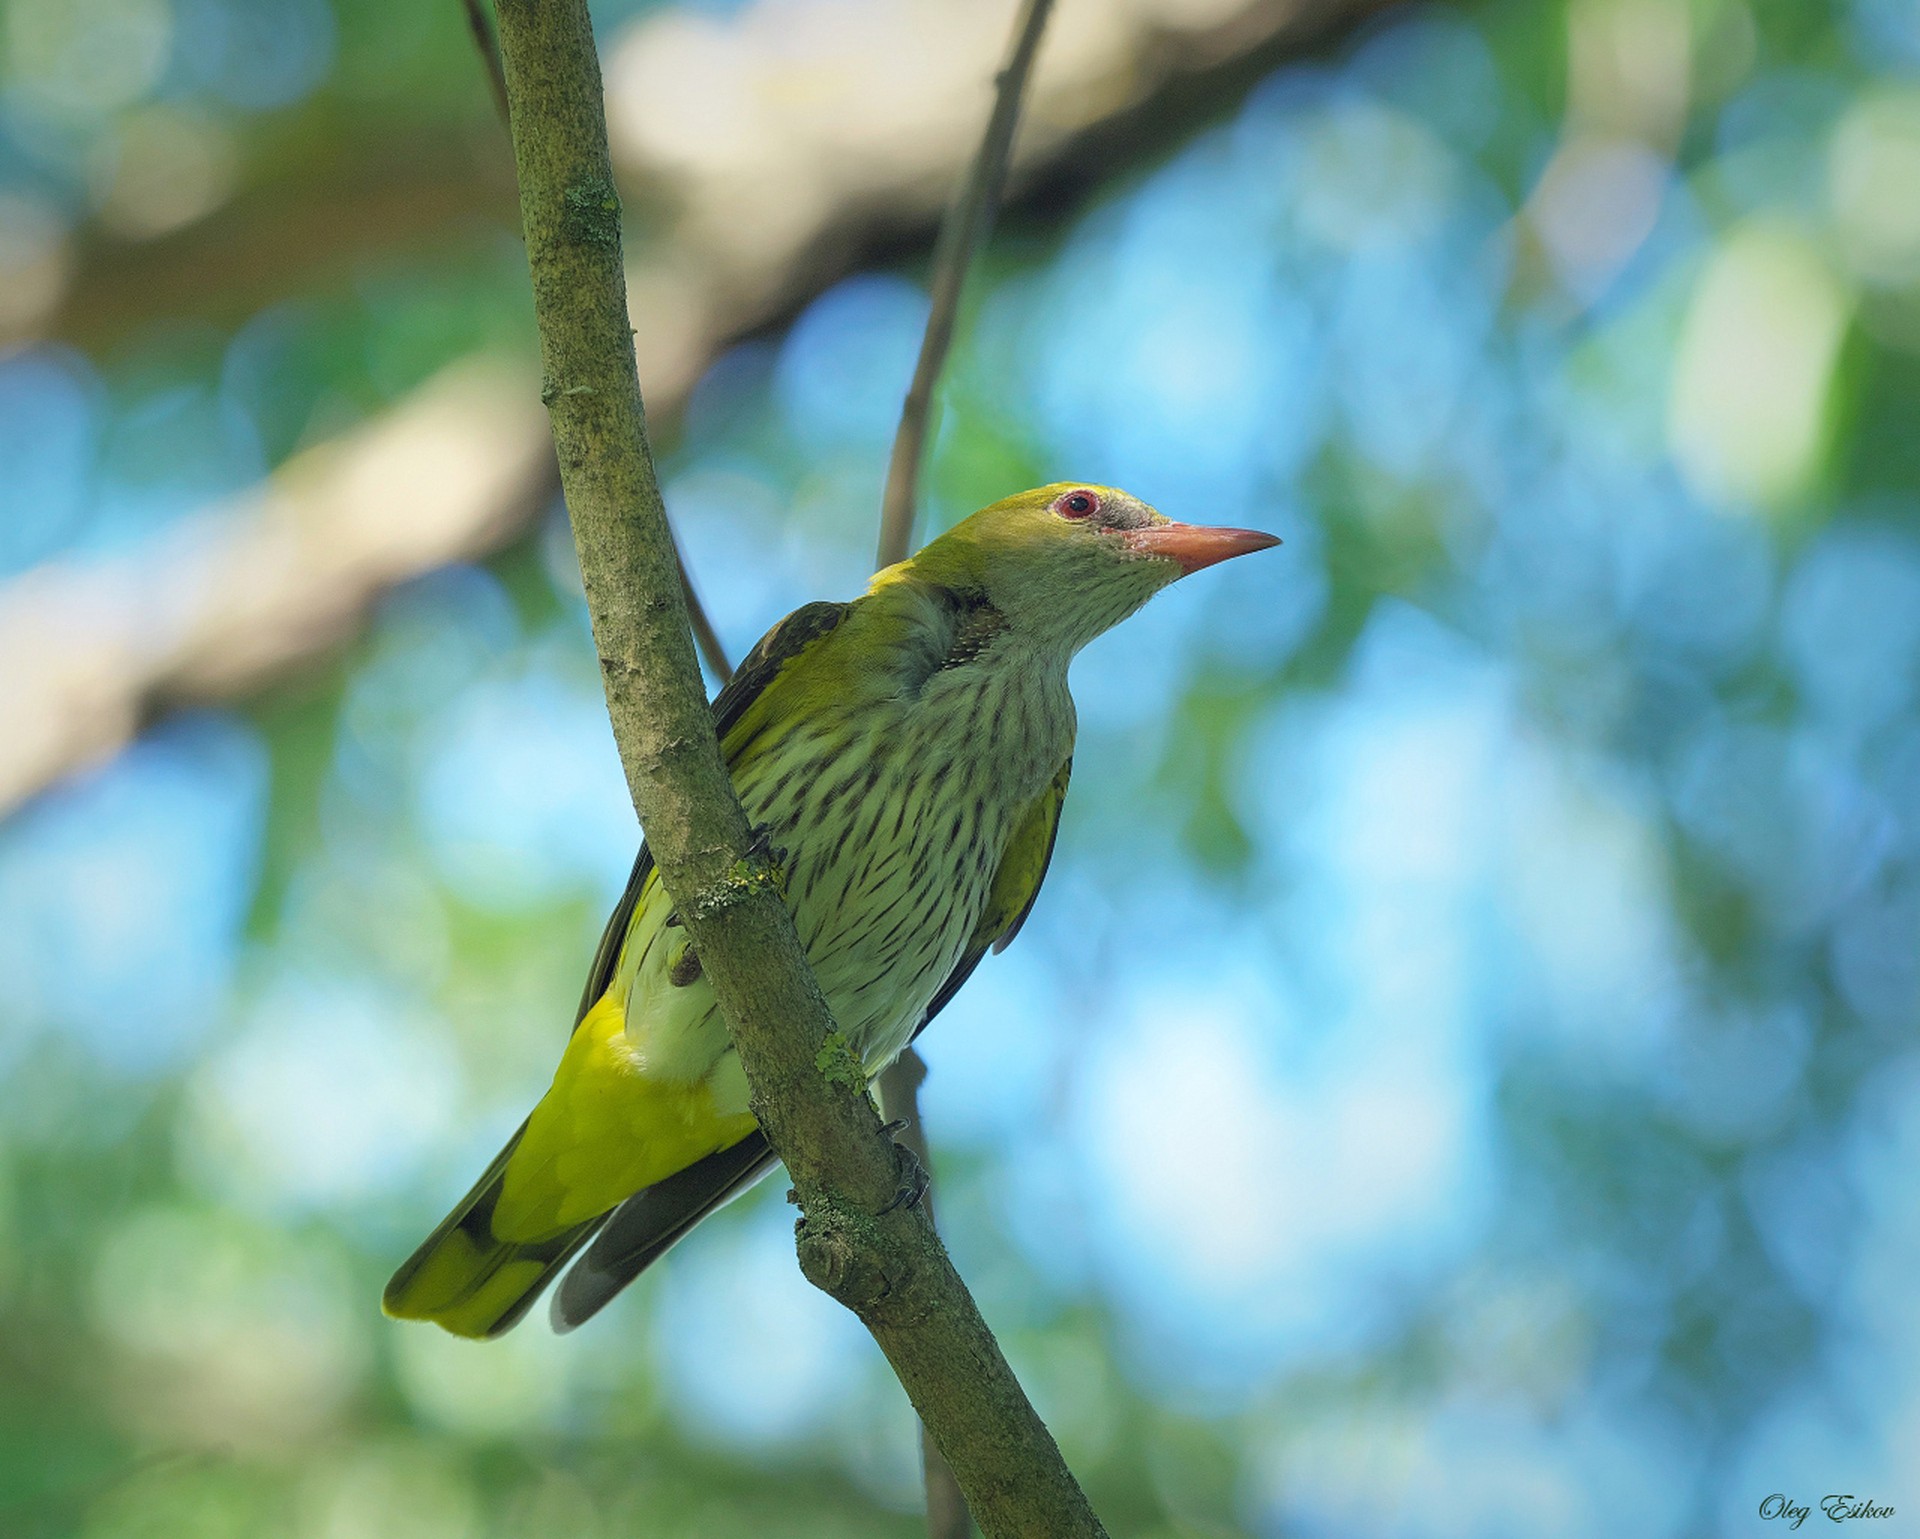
771	655
774	651
1016	884
647	1225
644	1227
641	1229
606	957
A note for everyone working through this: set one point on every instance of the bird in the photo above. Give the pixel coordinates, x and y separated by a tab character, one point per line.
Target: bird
907	754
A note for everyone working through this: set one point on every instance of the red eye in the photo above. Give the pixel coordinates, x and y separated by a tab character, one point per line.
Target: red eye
1077	505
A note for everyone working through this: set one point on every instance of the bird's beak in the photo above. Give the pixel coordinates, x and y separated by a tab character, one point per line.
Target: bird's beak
1197	545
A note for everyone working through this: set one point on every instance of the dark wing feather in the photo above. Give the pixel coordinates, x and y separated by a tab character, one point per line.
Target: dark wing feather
647	1225
774	651
1016	885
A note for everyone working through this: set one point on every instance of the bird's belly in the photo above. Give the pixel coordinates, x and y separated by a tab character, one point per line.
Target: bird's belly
889	853
879	956
884	904
886	919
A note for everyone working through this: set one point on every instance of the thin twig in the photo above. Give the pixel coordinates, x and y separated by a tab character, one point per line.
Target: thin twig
483	39
705	637
900	1082
962	233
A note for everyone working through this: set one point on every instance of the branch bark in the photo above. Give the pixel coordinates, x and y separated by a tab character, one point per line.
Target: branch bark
878	1257
705	637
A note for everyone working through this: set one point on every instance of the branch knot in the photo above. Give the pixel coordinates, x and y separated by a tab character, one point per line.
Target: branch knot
847	1258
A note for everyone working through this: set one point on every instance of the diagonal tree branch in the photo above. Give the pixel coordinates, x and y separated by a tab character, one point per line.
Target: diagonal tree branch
879	1258
712	650
705	637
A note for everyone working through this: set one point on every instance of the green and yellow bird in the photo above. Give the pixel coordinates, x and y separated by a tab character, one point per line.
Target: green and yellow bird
908	752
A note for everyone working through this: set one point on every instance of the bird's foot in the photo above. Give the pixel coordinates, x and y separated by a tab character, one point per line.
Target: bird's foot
762	847
766	861
914	1179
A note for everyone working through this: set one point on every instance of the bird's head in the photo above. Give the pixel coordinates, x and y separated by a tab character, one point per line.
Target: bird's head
1065	562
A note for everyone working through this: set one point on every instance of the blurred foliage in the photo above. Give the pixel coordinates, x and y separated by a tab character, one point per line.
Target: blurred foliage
1460	1079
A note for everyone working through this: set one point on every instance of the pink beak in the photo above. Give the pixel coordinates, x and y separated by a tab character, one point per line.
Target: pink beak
1197	545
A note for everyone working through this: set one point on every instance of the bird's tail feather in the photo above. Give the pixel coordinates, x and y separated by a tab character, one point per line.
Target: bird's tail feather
644	1227
466	1279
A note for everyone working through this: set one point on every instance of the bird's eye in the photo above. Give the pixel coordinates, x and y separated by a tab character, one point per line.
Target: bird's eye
1077	505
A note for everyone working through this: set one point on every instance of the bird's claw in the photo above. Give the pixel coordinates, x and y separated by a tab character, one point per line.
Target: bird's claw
914	1178
763	847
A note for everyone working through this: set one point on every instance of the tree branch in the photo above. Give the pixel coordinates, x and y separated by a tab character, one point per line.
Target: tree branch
880	1258
705	637
962	232
489	50
900	1082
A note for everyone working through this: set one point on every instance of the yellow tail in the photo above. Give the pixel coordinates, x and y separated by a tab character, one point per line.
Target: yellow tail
469	1281
602	1132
